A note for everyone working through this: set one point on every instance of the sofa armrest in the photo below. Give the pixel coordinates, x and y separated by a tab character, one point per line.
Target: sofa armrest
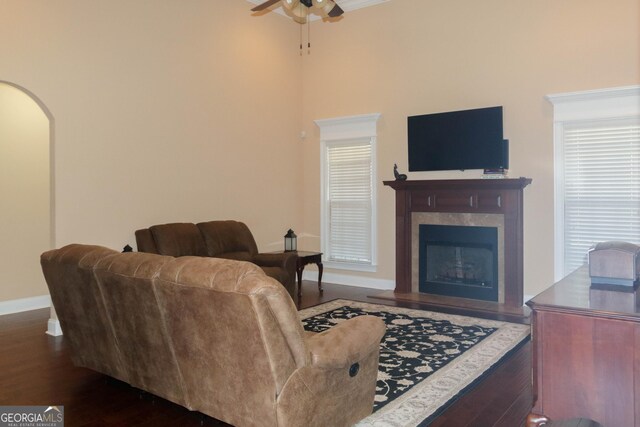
346	343
338	386
286	260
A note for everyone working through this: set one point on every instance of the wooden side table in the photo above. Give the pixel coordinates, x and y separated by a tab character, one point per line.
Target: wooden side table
305	258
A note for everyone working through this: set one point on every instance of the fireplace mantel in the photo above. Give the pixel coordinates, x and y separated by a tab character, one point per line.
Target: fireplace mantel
476	196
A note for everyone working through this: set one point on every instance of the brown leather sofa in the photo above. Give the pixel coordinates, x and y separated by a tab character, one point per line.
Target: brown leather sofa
218	239
213	335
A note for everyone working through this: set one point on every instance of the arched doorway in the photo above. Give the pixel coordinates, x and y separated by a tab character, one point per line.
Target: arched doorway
26	217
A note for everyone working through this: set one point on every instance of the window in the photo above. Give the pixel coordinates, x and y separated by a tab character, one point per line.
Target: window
597	156
349	201
348	236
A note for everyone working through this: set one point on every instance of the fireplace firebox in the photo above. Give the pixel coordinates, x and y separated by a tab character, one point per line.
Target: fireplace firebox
459	261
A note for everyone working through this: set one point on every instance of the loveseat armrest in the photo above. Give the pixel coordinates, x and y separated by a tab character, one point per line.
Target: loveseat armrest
284	264
286	260
145	242
346	343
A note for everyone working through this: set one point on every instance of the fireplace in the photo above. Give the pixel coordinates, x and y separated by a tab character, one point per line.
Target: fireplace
470	205
459	261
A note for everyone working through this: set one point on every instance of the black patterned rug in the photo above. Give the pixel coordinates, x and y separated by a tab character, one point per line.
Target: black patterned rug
427	359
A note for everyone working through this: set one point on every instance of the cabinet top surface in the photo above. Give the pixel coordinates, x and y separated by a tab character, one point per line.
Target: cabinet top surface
574	294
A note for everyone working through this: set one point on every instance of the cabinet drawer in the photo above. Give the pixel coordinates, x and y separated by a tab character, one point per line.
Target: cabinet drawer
423	201
490	201
458	201
446	201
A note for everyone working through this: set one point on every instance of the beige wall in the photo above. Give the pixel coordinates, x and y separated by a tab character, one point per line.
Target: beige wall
409	57
24	191
191	110
164	111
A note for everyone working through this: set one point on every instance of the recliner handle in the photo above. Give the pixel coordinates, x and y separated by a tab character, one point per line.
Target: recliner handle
353	369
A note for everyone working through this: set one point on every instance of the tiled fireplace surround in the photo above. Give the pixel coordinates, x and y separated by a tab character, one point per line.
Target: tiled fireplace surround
480	202
452	218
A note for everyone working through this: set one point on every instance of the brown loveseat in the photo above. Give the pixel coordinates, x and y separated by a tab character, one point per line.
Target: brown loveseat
213	335
218	239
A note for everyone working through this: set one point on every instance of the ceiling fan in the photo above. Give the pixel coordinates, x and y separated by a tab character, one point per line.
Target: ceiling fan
300	8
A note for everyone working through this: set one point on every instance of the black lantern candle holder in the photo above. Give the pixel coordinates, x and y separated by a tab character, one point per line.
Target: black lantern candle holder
290	241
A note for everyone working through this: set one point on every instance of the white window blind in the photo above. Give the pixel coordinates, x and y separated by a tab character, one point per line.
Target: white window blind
349	192
601	185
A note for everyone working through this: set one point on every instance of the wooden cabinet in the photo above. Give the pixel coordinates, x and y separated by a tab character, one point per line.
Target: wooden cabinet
586	360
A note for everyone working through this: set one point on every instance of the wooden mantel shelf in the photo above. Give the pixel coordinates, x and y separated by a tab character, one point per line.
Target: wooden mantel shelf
483	196
463	184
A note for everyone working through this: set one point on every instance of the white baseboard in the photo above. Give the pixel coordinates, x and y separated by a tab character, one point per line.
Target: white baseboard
32	303
24	304
348	280
53	328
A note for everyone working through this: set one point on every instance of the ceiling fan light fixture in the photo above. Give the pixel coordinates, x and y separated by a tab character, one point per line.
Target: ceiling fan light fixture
299	9
325	6
290	4
300	13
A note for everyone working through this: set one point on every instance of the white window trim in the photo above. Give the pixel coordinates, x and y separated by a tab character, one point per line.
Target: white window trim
620	102
345	129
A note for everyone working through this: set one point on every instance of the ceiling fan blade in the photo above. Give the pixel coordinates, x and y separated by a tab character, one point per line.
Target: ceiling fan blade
264	5
336	11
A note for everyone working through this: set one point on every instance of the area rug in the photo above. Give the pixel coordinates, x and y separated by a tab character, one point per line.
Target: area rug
427	359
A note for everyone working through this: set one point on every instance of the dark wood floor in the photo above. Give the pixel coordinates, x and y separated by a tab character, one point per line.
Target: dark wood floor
35	369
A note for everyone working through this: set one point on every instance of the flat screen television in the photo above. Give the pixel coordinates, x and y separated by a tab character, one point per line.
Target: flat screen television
457	140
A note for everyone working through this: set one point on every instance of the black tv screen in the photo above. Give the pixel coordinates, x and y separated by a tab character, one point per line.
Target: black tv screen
457	140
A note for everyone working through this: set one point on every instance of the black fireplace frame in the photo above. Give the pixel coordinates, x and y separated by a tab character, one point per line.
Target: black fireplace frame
462	236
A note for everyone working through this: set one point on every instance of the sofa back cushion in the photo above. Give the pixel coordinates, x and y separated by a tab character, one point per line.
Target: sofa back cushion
236	334
126	282
178	239
80	307
228	239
